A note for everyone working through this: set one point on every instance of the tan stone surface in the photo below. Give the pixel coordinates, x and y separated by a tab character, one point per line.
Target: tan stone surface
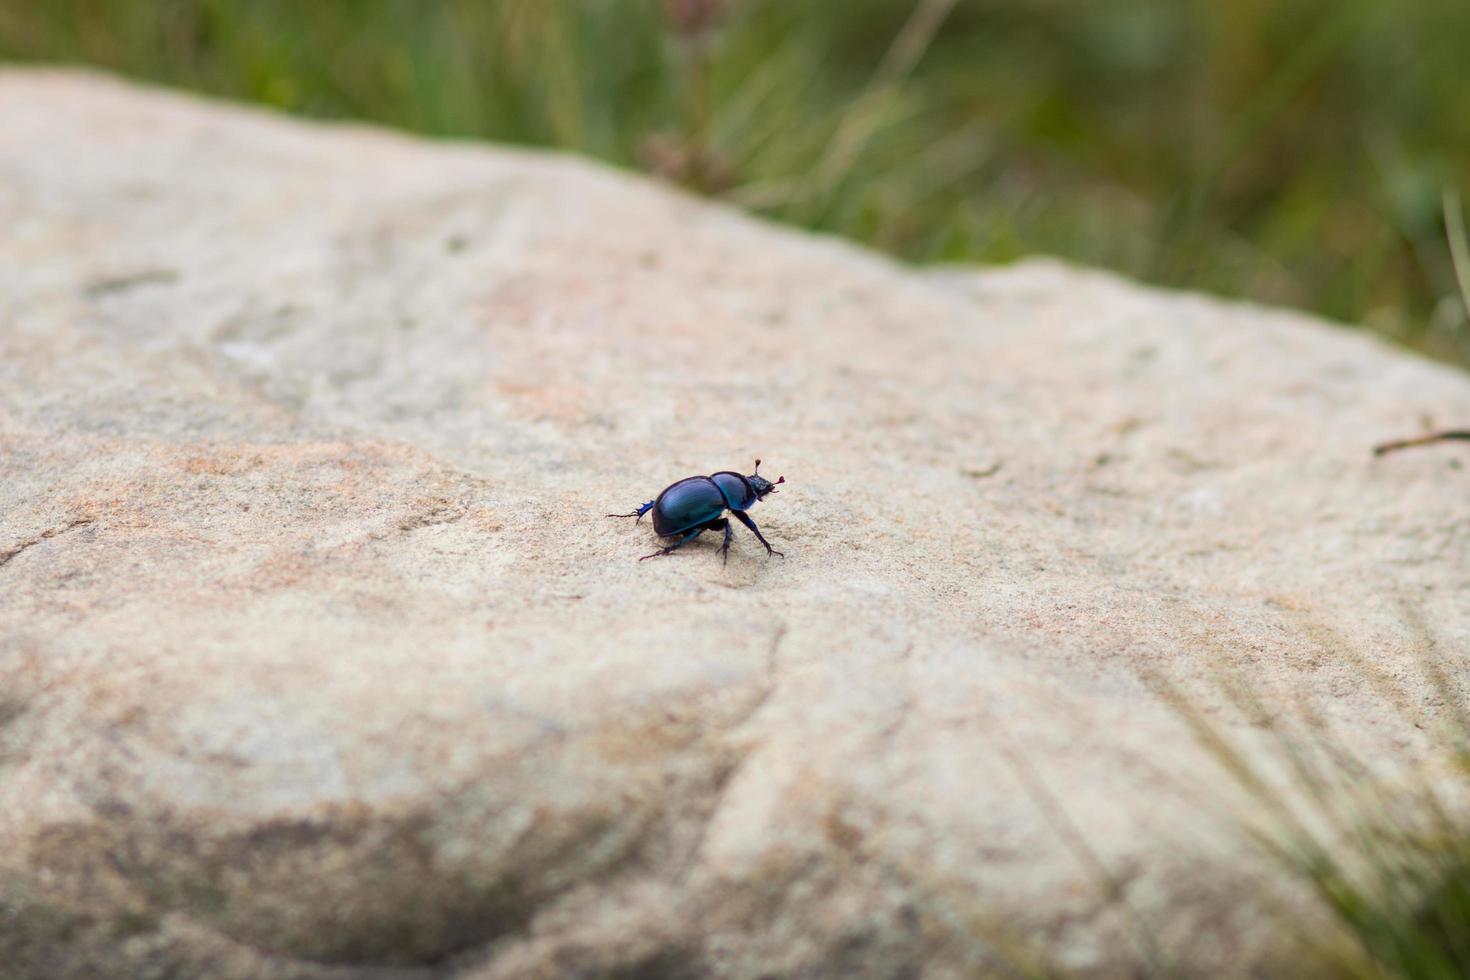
319	659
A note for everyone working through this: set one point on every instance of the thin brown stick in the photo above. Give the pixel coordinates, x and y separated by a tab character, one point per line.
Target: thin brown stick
1423	440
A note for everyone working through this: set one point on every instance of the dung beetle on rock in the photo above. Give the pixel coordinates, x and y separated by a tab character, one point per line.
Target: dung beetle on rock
695	504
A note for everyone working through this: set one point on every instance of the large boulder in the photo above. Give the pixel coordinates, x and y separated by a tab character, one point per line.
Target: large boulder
318	657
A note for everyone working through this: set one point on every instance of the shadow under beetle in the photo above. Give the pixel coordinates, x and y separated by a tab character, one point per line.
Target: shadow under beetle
694	505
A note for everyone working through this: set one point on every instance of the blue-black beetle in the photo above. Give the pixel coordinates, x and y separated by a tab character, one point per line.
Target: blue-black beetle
694	505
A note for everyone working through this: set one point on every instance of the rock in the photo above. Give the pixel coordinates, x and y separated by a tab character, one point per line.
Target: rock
318	658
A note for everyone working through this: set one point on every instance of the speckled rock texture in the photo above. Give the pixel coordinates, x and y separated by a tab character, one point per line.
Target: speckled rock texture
318	658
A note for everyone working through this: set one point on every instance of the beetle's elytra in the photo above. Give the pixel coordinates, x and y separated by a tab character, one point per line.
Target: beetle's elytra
695	504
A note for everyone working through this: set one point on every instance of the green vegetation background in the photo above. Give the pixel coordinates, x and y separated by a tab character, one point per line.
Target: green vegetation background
1288	151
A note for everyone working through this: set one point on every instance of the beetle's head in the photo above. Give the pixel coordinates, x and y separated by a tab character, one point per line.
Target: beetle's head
760	484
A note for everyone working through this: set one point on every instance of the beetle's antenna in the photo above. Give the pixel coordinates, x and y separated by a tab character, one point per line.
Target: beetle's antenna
757	467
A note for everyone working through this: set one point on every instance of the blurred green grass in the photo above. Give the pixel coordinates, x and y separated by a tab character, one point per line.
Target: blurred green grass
1385	853
1287	151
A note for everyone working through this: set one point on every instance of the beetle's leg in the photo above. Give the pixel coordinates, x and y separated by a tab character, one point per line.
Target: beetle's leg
677	544
723	524
637	513
744	518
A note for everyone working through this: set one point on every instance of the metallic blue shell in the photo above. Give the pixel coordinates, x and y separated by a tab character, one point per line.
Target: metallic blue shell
737	490
687	504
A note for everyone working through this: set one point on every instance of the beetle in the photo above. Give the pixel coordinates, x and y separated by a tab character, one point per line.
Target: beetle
695	504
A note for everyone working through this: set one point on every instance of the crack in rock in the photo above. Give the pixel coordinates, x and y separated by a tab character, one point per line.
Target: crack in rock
727	770
6	556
